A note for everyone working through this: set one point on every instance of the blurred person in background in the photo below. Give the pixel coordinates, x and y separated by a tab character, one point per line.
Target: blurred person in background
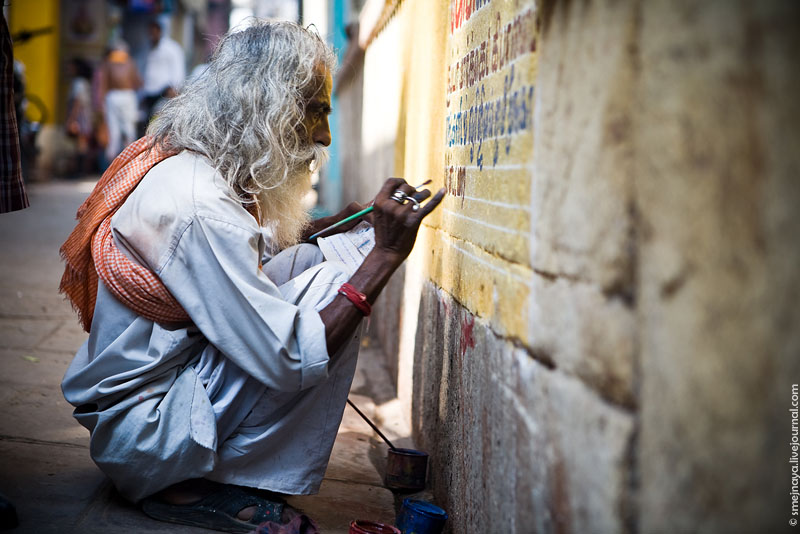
119	81
164	71
12	188
79	113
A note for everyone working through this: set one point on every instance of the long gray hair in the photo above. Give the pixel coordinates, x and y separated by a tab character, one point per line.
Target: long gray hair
245	112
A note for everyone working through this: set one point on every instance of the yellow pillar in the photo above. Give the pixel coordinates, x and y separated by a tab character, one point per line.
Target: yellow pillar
40	55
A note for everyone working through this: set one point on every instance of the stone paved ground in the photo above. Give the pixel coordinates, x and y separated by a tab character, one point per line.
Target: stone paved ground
45	469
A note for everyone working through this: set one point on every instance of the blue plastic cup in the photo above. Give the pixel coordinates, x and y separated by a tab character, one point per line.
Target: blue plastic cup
421	517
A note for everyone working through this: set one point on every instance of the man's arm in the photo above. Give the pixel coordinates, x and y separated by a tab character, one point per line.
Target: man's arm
396	227
135	78
103	84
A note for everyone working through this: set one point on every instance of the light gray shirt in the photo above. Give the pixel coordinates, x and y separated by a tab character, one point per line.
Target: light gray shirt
133	382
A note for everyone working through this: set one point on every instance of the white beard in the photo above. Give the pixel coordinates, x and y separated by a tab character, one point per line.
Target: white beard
282	208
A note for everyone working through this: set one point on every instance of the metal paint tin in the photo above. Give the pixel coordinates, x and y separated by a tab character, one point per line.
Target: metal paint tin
421	517
363	526
406	469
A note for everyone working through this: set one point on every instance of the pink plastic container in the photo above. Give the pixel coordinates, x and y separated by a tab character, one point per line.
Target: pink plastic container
363	526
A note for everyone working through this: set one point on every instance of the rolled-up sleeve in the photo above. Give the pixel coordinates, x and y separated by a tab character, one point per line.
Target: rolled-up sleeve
213	273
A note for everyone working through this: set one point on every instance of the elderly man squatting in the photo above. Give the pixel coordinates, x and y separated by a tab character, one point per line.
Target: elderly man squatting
213	369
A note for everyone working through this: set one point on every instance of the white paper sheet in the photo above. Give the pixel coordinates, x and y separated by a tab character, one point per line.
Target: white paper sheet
350	247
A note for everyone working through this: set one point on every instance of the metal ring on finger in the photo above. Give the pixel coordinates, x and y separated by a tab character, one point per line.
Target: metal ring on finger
399	196
415	207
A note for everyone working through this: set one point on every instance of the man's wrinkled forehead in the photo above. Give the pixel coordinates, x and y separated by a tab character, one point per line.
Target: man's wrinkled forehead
321	85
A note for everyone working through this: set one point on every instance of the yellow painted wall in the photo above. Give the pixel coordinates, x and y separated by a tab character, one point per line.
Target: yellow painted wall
40	55
479	59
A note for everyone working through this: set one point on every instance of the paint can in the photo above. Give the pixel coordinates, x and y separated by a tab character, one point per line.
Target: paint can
421	517
406	469
363	526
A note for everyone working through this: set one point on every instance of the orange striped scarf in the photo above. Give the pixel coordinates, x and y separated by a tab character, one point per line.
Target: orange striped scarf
90	252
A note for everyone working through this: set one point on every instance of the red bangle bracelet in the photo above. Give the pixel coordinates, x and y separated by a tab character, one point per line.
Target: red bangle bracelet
358	298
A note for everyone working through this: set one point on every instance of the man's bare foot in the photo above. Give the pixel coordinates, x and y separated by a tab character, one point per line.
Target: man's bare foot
193	490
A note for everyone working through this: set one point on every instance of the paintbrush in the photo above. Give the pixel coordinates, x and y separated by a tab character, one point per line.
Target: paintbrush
370	423
355	216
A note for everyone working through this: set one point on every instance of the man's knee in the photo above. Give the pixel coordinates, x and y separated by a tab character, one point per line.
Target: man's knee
317	285
333	273
305	256
292	262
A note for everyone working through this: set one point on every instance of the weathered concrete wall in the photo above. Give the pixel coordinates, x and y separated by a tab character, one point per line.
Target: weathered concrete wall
349	87
516	446
717	192
597	331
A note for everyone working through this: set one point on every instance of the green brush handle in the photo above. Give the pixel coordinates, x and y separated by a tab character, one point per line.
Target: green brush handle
343	221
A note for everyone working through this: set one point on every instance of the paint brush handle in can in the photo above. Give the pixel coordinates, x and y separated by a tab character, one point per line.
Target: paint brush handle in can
370	423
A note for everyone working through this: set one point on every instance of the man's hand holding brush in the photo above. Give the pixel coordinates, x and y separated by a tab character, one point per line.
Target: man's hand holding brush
354	212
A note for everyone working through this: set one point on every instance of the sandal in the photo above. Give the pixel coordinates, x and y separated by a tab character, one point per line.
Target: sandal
216	511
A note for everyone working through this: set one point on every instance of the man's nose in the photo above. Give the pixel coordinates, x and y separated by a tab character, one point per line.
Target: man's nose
322	134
